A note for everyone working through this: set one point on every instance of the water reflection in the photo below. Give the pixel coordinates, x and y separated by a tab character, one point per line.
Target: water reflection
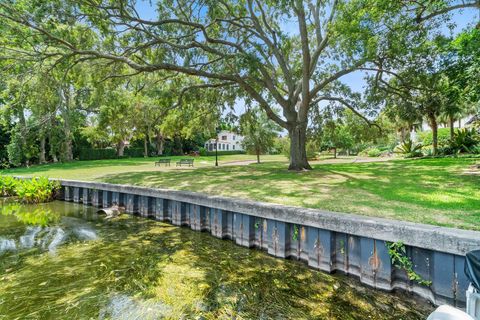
27	215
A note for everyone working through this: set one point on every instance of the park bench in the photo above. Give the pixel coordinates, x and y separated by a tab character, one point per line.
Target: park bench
188	162
163	161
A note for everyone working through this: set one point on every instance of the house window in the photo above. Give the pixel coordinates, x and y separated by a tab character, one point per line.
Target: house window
233	137
224	137
228	147
233	147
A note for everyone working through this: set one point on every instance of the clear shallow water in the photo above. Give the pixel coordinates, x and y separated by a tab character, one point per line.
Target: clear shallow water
82	266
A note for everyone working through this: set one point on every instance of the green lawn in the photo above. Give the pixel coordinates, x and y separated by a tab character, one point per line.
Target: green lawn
442	192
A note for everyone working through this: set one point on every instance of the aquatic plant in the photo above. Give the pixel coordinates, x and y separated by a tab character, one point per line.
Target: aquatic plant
398	254
7	186
36	190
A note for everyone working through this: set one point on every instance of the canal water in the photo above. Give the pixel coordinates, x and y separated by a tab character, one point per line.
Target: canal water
63	261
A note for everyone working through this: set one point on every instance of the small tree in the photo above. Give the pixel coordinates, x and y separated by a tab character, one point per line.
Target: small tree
259	131
336	136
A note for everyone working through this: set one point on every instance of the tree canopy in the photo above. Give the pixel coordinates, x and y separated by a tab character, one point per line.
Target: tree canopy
281	55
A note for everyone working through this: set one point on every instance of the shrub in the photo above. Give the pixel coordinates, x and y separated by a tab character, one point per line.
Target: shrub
464	140
36	190
284	146
371	152
202	151
134	152
311	150
426	137
225	152
427	151
409	149
7	186
374	152
475	149
97	154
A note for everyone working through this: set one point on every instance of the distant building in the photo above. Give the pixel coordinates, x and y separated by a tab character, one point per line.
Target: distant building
465	122
227	141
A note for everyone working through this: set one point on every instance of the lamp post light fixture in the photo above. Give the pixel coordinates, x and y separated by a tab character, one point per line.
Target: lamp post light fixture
217	130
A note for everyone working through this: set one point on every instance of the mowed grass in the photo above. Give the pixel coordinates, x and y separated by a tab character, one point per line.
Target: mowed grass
444	192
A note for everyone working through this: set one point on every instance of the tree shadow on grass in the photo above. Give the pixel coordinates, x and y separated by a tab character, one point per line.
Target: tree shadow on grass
430	191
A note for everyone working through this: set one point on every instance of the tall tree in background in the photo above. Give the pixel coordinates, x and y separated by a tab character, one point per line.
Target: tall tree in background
259	132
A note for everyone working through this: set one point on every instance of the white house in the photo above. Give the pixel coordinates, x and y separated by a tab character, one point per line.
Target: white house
227	141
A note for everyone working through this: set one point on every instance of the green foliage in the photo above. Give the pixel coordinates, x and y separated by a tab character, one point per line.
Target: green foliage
202	151
426	139
259	132
134	152
409	149
97	154
36	190
4	141
312	150
224	152
257	223
372	152
7	186
465	140
15	149
108	153
282	145
398	255
295	232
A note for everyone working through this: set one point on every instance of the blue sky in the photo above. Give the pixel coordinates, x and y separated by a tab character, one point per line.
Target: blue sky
461	18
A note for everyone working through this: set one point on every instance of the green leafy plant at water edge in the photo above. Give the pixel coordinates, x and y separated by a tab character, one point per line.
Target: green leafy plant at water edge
398	253
36	190
7	186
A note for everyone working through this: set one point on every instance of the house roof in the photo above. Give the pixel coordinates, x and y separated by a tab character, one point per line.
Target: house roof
473	119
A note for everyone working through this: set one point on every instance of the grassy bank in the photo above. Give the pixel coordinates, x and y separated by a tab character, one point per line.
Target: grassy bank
443	192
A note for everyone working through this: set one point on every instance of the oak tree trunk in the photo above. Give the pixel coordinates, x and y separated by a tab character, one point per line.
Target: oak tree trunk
41	156
258	156
65	111
298	153
159	143
145	147
120	148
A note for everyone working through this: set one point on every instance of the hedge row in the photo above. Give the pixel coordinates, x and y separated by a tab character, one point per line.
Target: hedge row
224	153
108	153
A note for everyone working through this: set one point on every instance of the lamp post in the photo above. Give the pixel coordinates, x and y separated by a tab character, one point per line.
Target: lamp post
217	130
